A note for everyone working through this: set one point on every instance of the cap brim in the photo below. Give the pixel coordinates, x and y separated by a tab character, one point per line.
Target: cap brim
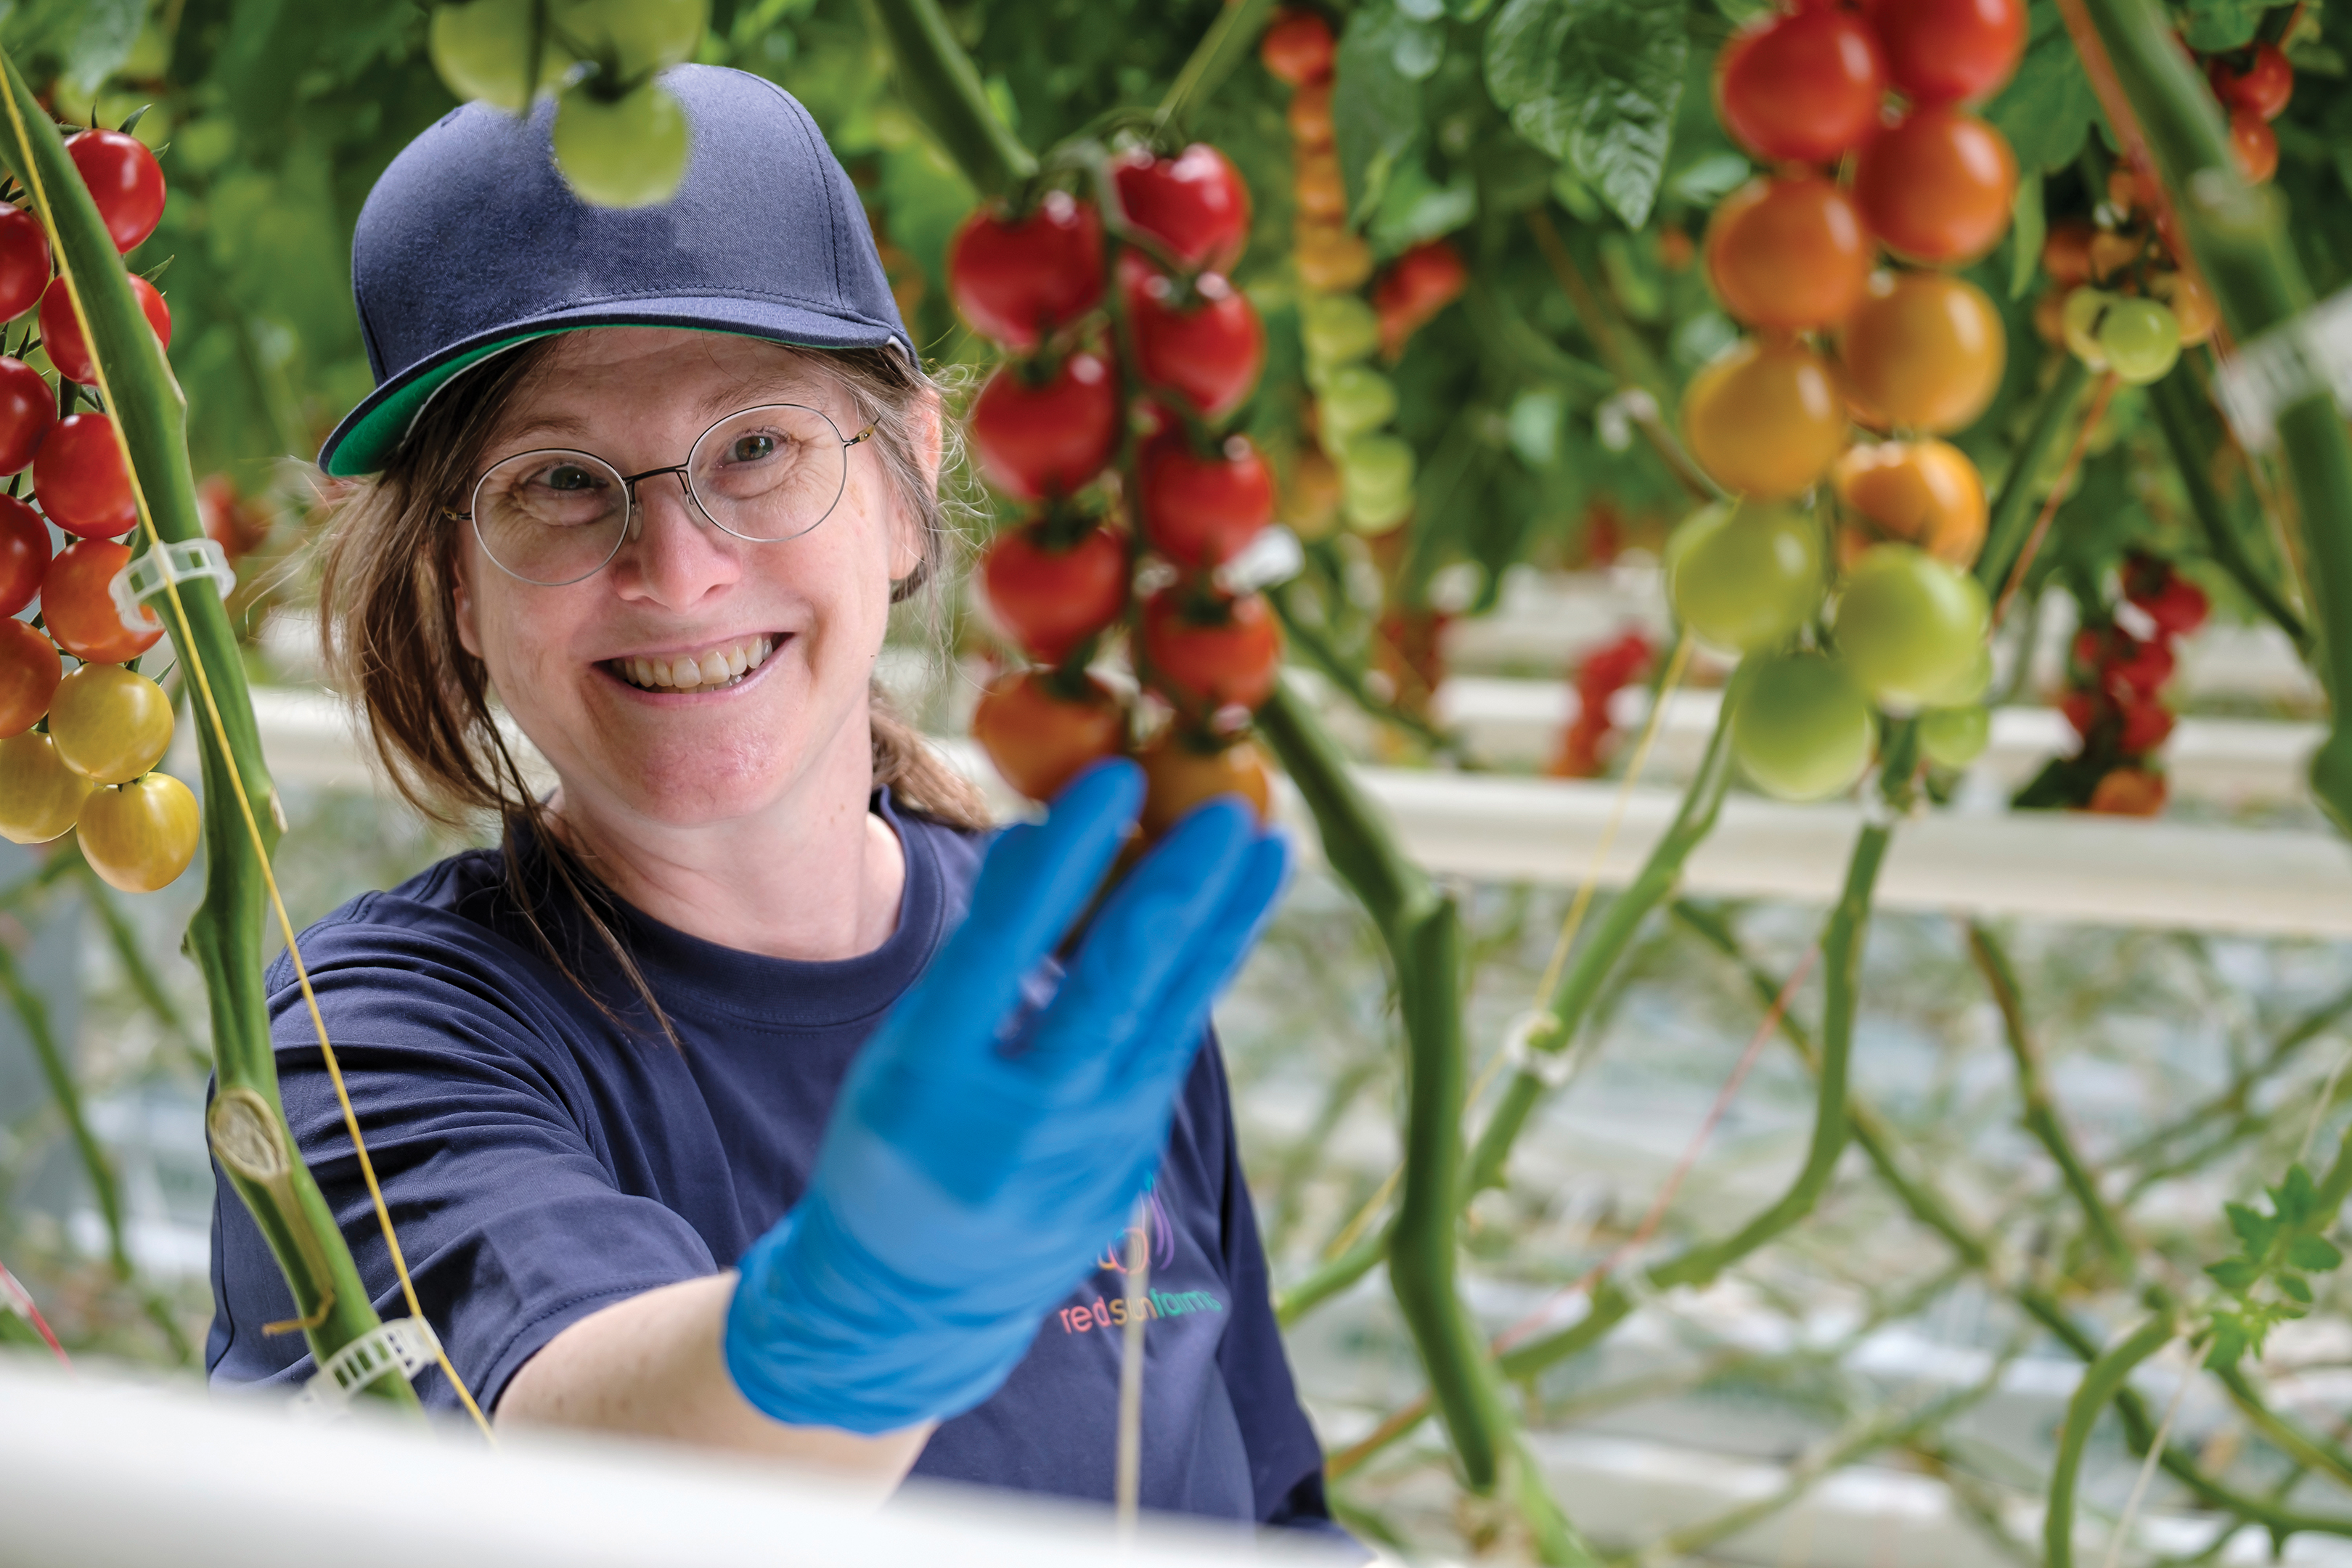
370	434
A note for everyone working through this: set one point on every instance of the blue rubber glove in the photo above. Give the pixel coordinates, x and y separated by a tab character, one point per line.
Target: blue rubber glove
984	1147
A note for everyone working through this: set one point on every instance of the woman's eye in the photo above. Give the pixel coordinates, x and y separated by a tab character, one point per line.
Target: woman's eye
752	448
568	477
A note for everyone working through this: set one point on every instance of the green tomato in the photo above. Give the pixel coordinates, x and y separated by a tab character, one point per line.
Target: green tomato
1376	466
1337	329
1910	625
632	38
2141	339
1357	400
1745	577
1376	514
1971	685
2080	321
482	50
627	152
1801	729
1954	737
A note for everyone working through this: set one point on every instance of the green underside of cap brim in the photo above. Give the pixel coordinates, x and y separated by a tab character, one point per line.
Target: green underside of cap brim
369	445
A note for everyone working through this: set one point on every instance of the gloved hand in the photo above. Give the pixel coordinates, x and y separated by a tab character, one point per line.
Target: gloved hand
983	1148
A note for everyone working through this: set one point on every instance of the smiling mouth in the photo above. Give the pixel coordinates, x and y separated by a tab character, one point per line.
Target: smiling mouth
713	669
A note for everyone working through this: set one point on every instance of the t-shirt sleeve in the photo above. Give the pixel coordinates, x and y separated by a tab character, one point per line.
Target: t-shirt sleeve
1285	1459
512	1225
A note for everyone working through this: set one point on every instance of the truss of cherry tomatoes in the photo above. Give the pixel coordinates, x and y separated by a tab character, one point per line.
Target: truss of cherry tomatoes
1128	352
1882	179
78	747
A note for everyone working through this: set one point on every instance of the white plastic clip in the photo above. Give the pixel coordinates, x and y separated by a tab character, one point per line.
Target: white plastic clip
1551	1068
188	560
2300	357
406	1345
1274	557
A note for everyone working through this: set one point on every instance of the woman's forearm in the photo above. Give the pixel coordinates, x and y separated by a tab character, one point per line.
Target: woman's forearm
650	1367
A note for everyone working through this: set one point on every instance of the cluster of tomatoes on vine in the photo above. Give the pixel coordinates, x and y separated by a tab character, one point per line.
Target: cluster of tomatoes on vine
1583	750
1864	115
79	749
2117	668
1128	350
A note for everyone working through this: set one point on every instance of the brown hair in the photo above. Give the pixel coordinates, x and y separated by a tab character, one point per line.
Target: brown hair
389	633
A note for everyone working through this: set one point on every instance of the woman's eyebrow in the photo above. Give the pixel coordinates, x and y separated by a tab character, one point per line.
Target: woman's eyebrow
546	425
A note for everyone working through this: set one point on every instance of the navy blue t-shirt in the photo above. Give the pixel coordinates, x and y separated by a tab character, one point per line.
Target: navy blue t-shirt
543	1160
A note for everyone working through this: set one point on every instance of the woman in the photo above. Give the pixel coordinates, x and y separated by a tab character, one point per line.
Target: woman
735	1098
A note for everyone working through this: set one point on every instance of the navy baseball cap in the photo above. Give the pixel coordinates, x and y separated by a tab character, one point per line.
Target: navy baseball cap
471	243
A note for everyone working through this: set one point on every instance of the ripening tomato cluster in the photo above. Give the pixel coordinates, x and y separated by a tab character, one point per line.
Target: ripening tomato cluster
78	748
1355	468
620	137
2119	297
1129	350
1608	669
2115	683
1864	113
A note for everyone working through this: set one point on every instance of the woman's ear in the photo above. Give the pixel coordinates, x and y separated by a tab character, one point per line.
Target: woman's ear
461	601
907	543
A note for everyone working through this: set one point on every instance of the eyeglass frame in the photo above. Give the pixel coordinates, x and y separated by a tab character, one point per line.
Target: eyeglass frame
629	491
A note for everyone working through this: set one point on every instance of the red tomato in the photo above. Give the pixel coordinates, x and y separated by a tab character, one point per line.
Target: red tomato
2177	608
29	672
2263	87
1801	87
1416	287
24	261
2082	710
77	610
80	480
2145	724
1213	654
62	336
1051	601
1788	253
24	554
1016	280
1208	348
1949	51
1937	185
27	409
2256	144
1040	738
1298	47
2066	253
2123	663
1048	438
123	179
1197	511
1193	204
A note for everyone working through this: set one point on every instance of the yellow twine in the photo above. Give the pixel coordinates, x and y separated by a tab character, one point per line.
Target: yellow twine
193	659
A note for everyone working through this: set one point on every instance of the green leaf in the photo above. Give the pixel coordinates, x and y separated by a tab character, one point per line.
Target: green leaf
2294	1285
2210	25
1594	83
2315	1253
1375	107
2294	1200
2047	108
2028	228
86	40
2235	1274
2253	1230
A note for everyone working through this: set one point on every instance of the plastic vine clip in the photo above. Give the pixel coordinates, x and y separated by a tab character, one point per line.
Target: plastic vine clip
186	561
406	1345
1274	557
2300	357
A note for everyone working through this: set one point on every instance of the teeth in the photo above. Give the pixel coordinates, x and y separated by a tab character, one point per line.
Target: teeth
719	667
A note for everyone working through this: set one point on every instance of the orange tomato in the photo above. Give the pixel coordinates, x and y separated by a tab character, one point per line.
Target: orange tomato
1925	492
1764	418
1319	187
2256	144
1925	351
1788	254
1937	185
1310	115
2192	306
1180	775
2066	253
1039	739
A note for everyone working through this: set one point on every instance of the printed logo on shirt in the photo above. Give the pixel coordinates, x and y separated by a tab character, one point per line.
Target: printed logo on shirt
1158	1235
1150	1306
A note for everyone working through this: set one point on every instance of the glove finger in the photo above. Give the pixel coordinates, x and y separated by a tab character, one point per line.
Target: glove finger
1132	950
1033	883
1166	1045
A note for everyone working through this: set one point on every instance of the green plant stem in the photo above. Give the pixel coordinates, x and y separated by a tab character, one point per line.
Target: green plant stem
1333	1275
1557	1542
2013	507
1308	640
941	84
1580	984
2238	236
2039	1112
2102	1380
225	936
1224	46
2183	415
132	955
1423	934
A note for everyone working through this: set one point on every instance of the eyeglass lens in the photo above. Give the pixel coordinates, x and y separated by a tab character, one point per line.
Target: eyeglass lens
766	475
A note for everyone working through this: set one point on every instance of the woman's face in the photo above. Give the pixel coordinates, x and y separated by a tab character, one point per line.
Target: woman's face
781	637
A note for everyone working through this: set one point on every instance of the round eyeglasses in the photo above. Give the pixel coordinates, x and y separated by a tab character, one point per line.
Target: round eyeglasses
554	516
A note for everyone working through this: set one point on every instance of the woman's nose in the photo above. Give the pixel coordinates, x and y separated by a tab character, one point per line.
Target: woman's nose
674	556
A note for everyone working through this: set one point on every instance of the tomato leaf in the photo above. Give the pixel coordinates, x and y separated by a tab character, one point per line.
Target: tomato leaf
2315	1253
2047	108
86	40
1595	84
2208	24
2028	228
1375	103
